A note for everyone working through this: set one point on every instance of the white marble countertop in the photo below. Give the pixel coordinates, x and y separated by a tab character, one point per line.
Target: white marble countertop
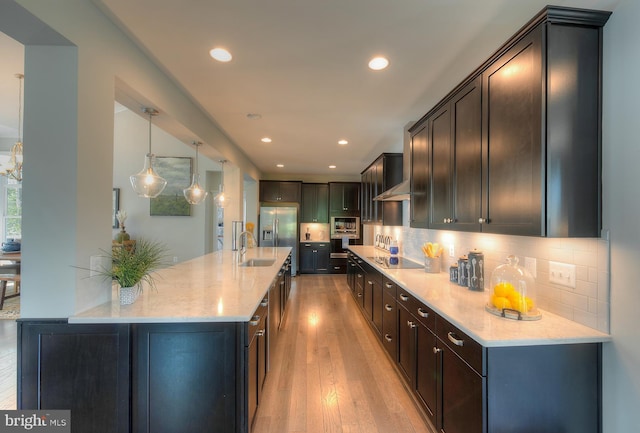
465	309
210	288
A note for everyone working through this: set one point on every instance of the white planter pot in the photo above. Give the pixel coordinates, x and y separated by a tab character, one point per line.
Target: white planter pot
128	295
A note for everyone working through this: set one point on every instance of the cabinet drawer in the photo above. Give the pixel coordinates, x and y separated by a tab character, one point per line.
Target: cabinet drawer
389	286
256	321
464	346
424	314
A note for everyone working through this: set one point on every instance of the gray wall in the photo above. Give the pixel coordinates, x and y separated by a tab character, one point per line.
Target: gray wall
621	379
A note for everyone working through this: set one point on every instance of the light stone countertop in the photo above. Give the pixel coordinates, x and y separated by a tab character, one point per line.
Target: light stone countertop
465	309
210	288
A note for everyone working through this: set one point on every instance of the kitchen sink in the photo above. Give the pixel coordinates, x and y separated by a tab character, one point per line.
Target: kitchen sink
251	263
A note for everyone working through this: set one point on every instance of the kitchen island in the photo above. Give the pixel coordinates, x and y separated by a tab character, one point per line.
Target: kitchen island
189	356
472	371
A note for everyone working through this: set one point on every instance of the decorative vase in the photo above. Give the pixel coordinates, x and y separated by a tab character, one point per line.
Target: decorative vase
122	236
128	295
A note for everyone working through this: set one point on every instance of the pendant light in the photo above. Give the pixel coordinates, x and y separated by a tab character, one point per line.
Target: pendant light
195	194
14	168
220	198
148	183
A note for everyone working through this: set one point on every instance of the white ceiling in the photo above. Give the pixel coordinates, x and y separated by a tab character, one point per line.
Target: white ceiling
302	65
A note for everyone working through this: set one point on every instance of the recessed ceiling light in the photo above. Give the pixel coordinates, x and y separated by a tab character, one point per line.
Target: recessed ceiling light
220	54
343	142
378	63
254	116
332	166
265	140
279	165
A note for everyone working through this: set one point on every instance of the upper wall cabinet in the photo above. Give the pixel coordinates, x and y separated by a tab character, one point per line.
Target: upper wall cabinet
536	170
382	174
280	191
315	203
344	198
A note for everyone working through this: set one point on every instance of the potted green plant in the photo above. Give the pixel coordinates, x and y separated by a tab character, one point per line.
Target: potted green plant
133	266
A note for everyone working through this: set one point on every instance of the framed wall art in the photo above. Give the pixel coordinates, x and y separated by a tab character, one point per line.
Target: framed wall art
171	202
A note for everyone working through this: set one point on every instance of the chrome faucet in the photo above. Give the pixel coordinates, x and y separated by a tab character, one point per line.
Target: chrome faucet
243	244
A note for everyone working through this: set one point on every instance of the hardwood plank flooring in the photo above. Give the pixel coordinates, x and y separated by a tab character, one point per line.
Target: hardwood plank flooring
328	373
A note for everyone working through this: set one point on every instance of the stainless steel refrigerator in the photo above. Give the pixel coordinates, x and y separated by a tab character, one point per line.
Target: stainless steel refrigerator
279	228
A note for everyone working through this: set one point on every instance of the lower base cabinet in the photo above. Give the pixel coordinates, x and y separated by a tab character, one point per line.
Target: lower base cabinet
464	387
145	378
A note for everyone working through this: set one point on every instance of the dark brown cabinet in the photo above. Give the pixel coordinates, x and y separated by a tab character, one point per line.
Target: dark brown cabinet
384	173
257	362
280	191
315	203
373	298
516	147
420	175
389	318
344	198
455	144
82	368
314	257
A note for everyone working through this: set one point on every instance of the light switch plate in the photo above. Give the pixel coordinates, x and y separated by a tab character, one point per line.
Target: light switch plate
563	274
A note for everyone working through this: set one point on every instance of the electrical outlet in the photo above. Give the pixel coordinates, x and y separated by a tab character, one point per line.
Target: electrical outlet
452	251
530	264
175	259
563	274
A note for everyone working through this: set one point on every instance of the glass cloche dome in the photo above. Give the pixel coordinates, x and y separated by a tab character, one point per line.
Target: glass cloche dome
512	292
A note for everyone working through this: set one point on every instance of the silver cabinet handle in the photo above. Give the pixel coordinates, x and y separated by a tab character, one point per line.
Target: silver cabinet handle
453	338
410	324
389	286
388	338
370	282
388	307
260	333
422	313
482	220
436	350
359	295
405	298
264	303
254	321
359	275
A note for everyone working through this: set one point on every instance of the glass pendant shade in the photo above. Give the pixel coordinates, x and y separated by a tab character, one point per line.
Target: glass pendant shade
147	183
195	194
220	199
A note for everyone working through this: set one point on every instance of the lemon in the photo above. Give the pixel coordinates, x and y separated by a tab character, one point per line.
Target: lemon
500	302
503	289
529	302
518	302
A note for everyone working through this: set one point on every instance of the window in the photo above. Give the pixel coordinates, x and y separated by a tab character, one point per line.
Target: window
11	209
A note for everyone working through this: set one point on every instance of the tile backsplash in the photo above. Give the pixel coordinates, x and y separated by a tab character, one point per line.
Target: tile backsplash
587	303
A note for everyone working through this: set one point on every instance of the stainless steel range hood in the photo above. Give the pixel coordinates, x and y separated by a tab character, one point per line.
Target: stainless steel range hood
401	191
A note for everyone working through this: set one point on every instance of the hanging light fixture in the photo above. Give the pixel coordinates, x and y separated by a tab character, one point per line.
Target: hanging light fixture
148	183
14	167
220	198
195	194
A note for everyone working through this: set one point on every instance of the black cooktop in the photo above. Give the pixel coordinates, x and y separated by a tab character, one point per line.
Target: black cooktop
390	262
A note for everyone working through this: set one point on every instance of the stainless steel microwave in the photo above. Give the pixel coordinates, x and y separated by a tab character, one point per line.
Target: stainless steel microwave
345	226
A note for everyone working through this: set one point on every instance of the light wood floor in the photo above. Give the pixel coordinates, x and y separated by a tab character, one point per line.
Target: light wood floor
8	353
328	373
